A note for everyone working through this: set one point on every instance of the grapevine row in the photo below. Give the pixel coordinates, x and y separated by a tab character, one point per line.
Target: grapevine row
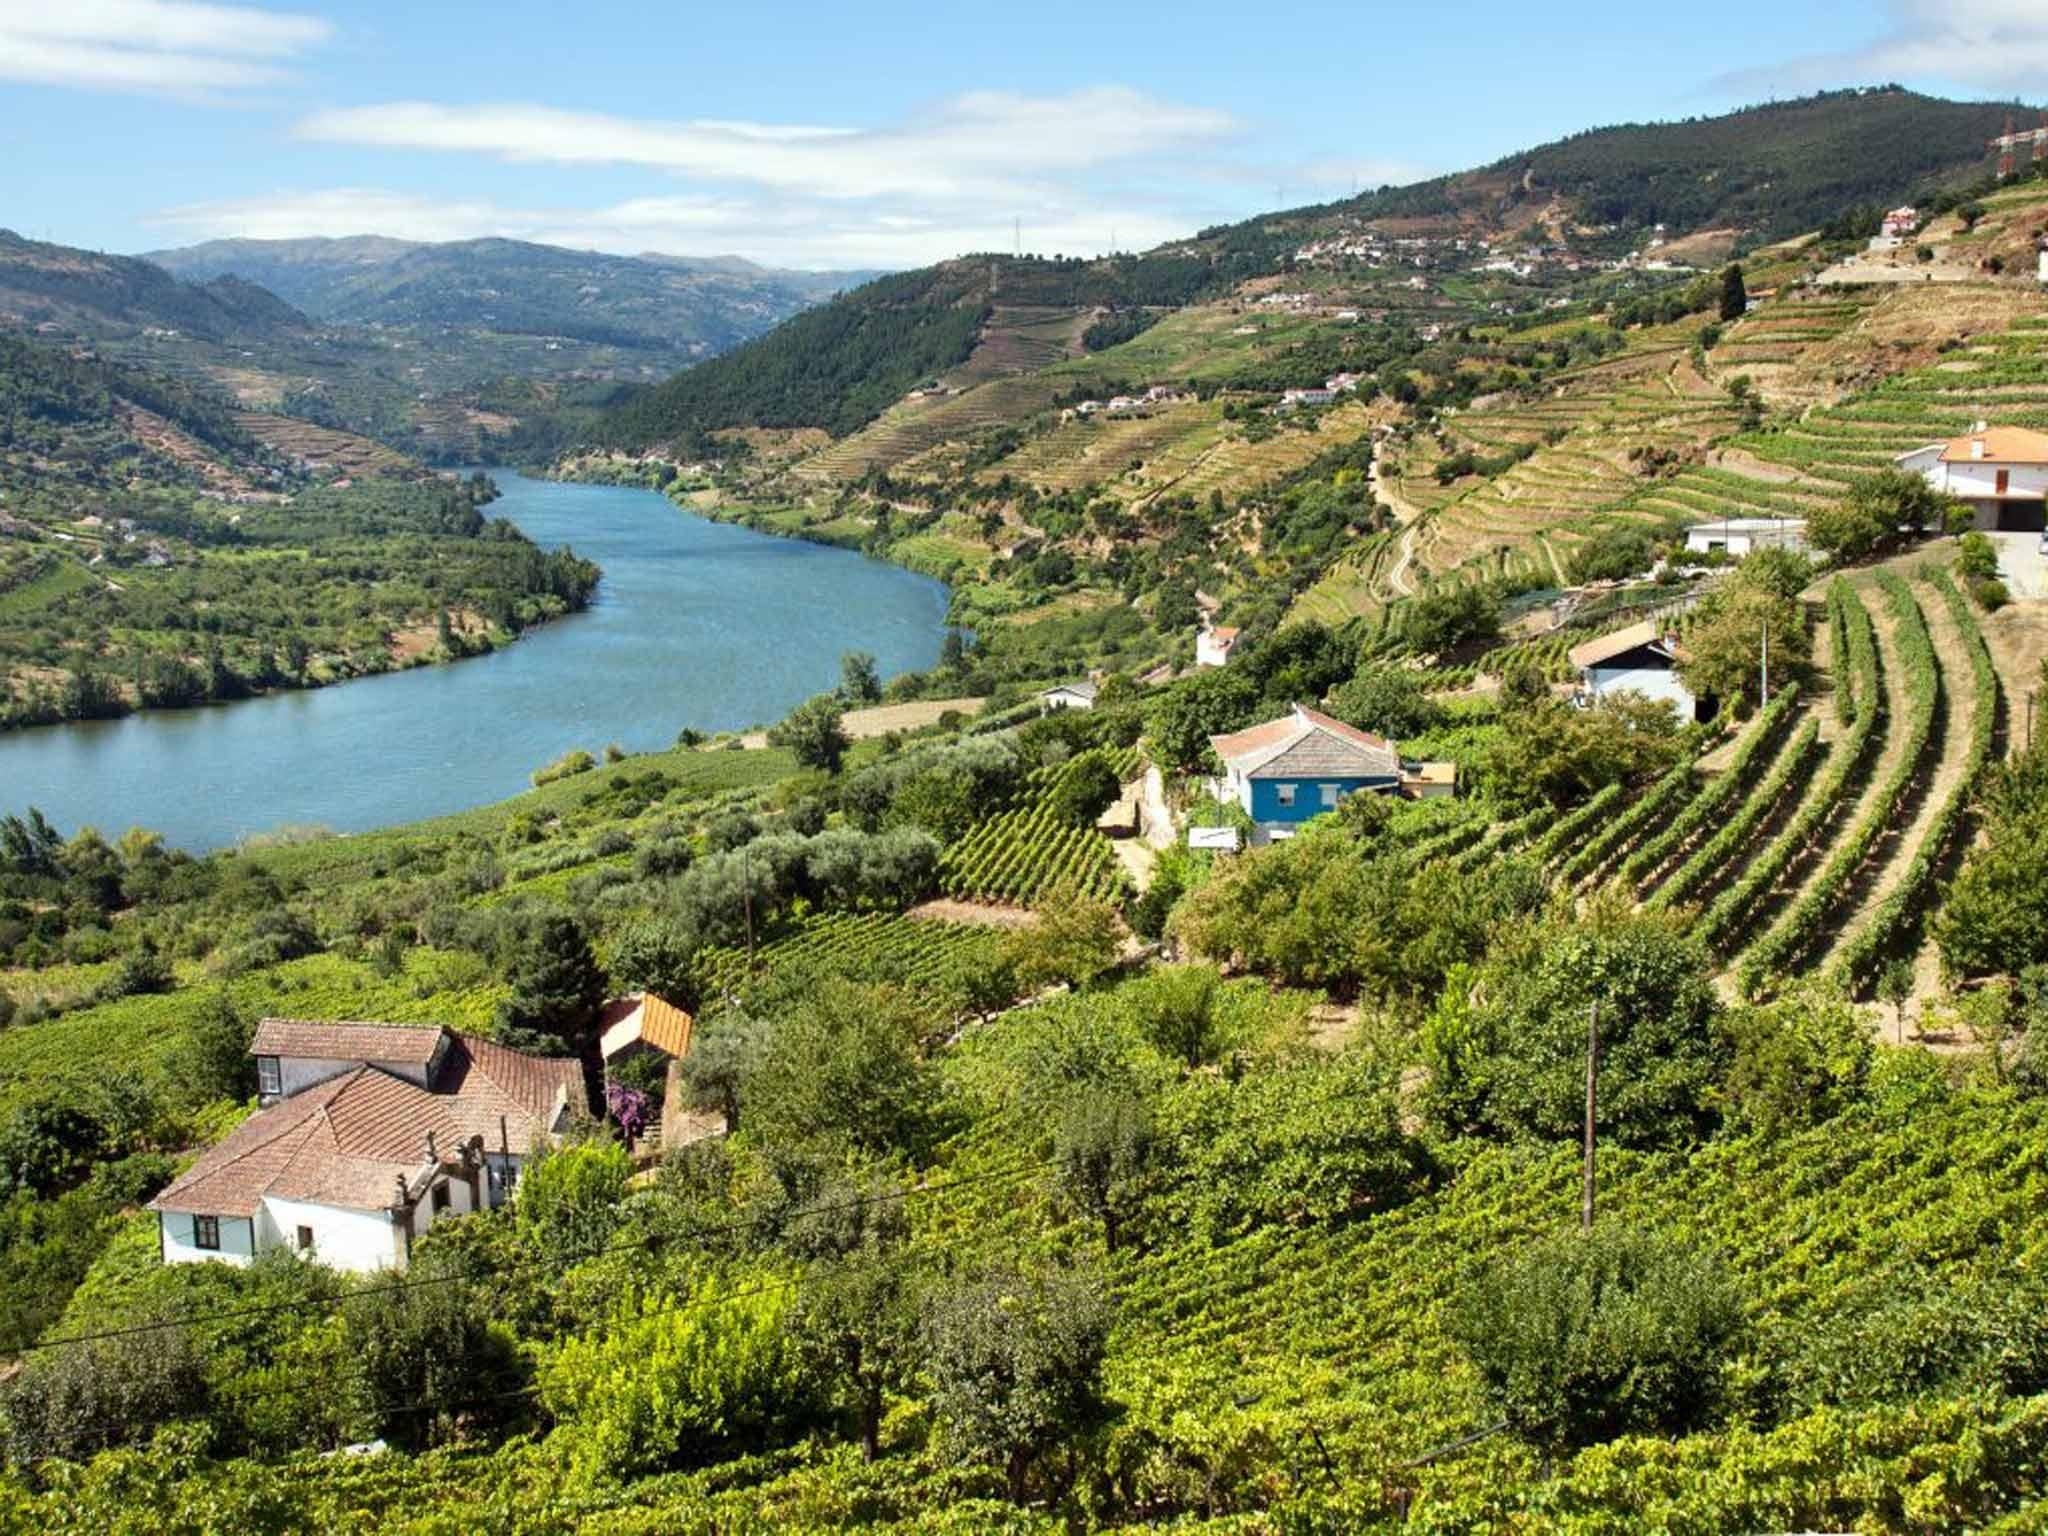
1901	911
1794	765
1661	799
1849	760
1800	925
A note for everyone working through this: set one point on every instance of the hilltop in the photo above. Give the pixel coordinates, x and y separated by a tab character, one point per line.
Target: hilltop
58	288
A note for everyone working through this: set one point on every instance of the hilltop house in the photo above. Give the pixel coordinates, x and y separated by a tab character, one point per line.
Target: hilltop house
1640	659
1213	646
1288	770
369	1135
2001	472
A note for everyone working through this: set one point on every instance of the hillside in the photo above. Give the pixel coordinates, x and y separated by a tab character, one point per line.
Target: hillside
1775	170
59	288
673	304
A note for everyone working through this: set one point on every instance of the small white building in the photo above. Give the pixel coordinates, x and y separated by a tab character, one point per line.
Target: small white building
1900	223
371	1133
1640	659
2001	472
1214	645
1738	536
1068	696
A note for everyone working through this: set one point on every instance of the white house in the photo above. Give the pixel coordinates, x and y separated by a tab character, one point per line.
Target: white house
1068	696
1214	645
1900	222
2001	472
1738	536
371	1133
1640	659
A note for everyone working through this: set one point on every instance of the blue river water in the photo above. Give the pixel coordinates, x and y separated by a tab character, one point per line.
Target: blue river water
696	623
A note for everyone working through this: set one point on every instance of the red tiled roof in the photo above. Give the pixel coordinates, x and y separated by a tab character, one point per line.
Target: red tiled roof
1307	743
2002	445
413	1044
345	1141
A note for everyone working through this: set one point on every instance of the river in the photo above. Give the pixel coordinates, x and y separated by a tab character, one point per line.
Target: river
696	623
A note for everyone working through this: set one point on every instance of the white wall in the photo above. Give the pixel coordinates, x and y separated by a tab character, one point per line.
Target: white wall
353	1240
237	1240
300	1072
1651	682
1972	478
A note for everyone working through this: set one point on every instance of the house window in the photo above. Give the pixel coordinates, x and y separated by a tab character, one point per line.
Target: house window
268	1078
305	1239
1330	793
1286	792
440	1197
206	1232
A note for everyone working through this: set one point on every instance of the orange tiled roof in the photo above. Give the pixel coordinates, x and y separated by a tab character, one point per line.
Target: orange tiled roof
2002	445
318	1039
648	1018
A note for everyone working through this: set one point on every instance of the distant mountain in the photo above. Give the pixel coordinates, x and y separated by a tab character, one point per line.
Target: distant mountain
102	295
693	305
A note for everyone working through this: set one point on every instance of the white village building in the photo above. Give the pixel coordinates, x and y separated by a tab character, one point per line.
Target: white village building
1214	645
1639	659
2001	472
369	1135
1080	695
1738	536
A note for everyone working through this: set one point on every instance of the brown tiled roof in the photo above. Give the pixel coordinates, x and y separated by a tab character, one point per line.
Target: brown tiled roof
1308	744
2002	445
1592	652
345	1141
644	1017
413	1044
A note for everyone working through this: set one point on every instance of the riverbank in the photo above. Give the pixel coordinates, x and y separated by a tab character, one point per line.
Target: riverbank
697	625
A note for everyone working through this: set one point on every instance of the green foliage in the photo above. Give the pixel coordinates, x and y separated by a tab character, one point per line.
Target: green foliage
1613	1332
1995	916
1506	1048
1734	301
1796	1062
1074	939
557	989
568	1204
1881	509
429	1363
1387	700
813	734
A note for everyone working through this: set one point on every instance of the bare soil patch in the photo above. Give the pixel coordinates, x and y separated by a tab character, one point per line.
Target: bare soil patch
976	913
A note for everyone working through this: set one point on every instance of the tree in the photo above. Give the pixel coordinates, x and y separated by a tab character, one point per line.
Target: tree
1087	788
1390	701
720	1057
214	1061
1075	938
1587	1337
1879	511
1795	1062
1175	1009
1725	645
1016	1366
860	682
1187	714
1102	1148
1507	1048
557	990
1734	293
842	1064
1895	990
814	733
655	955
569	1198
1443	619
428	1362
1550	752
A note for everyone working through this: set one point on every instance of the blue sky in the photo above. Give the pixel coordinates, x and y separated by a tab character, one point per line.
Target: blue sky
880	135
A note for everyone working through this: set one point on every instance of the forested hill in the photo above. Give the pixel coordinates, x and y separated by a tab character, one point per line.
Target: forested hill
101	295
1776	169
516	287
46	394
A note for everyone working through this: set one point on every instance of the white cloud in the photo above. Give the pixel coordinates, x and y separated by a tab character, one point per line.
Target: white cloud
786	231
981	144
151	45
1995	45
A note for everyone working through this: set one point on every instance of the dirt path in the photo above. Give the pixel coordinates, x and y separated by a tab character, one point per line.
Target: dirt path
1397	574
1900	846
859	724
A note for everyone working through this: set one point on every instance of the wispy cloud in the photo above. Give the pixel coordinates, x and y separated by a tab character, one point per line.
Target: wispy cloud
172	46
978	144
793	231
1993	45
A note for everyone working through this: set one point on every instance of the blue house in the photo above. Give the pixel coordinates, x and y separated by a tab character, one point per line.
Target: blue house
1301	765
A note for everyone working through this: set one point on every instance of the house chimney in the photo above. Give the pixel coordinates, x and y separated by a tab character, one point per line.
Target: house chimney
433	1153
1976	447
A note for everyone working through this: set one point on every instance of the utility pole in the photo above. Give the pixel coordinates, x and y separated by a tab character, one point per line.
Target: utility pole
1592	1101
1765	689
747	890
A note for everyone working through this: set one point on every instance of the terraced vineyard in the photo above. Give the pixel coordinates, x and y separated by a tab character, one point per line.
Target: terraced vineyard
870	942
1020	854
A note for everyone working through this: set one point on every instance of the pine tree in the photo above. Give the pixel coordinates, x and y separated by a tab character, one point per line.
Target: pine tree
1734	293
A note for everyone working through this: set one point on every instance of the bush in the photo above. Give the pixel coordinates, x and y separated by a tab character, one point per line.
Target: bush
1990	595
1085	791
568	765
1595	1335
1390	701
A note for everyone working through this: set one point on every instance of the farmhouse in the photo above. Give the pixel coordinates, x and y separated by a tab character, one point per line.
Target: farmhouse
371	1133
1068	696
1288	770
1213	646
1640	659
2001	472
1740	535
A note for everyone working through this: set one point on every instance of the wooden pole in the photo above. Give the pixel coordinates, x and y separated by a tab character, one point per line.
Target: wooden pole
1592	1100
747	890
